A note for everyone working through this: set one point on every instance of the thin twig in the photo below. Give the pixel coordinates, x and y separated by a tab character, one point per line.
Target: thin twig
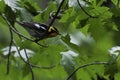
9	53
85	65
34	66
43	67
30	66
85	10
19	53
24	60
58	10
27	62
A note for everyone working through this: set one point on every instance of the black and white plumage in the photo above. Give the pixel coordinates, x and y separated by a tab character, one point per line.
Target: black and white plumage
38	30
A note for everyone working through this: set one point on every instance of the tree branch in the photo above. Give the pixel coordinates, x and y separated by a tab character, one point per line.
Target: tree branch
58	10
85	65
85	10
34	66
30	66
9	53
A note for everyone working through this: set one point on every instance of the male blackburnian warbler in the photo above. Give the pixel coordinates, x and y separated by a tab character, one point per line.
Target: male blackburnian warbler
38	30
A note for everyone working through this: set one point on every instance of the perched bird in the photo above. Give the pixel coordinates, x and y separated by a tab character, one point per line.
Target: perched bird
38	30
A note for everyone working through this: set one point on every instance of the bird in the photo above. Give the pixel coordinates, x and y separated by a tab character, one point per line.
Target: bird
38	30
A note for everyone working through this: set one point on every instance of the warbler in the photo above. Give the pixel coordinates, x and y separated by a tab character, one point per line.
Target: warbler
38	30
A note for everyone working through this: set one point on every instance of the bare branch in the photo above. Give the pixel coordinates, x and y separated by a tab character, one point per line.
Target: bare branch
58	10
9	53
34	66
43	67
85	10
85	65
27	62
30	66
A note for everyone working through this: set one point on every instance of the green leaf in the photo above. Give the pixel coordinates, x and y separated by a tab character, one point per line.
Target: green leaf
96	28
66	39
24	44
17	8
111	69
31	7
48	56
102	12
45	14
83	75
114	2
10	15
68	14
117	76
85	29
2	5
118	62
25	15
116	12
100	2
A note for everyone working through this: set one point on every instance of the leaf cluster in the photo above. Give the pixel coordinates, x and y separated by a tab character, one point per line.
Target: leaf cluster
86	39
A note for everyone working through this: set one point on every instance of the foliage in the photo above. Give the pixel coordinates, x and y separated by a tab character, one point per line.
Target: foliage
85	50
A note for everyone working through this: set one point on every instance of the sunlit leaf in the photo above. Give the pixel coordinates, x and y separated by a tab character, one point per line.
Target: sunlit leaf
16	52
13	4
68	62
